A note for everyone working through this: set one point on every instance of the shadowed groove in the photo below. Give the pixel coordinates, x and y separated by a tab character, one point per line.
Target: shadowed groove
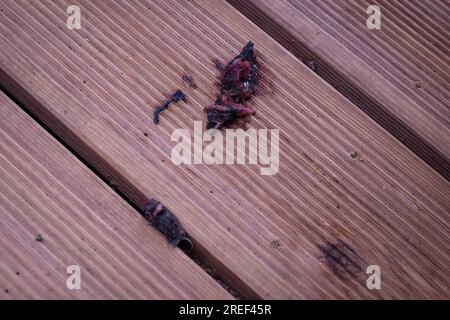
299	203
408	133
41	194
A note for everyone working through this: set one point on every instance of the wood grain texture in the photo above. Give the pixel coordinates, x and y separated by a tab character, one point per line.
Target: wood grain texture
399	75
97	87
46	191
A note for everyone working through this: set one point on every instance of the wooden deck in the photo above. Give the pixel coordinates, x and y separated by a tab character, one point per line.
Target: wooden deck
82	222
399	75
95	89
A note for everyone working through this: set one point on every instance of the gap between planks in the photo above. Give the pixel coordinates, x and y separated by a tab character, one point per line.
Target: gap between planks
198	254
319	194
294	25
47	191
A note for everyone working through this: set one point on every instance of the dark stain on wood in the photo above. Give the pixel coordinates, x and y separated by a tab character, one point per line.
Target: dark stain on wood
342	259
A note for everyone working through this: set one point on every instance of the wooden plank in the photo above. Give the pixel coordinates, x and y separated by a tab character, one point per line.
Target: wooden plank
46	190
97	87
399	75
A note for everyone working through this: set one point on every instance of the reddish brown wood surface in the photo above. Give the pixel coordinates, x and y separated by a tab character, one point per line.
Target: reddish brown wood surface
82	222
97	87
399	74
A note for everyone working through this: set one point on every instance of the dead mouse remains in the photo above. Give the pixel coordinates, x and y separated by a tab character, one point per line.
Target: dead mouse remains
238	81
174	98
165	221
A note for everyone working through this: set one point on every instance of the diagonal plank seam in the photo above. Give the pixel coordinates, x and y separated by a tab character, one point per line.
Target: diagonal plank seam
374	109
198	254
325	173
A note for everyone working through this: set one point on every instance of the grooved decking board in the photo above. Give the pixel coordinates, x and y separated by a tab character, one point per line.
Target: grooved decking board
399	75
97	87
45	190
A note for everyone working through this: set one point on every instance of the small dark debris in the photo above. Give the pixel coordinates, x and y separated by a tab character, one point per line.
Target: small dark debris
355	155
164	221
6	290
18	273
342	259
419	85
39	238
310	64
174	98
113	185
239	77
145	134
275	244
189	80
